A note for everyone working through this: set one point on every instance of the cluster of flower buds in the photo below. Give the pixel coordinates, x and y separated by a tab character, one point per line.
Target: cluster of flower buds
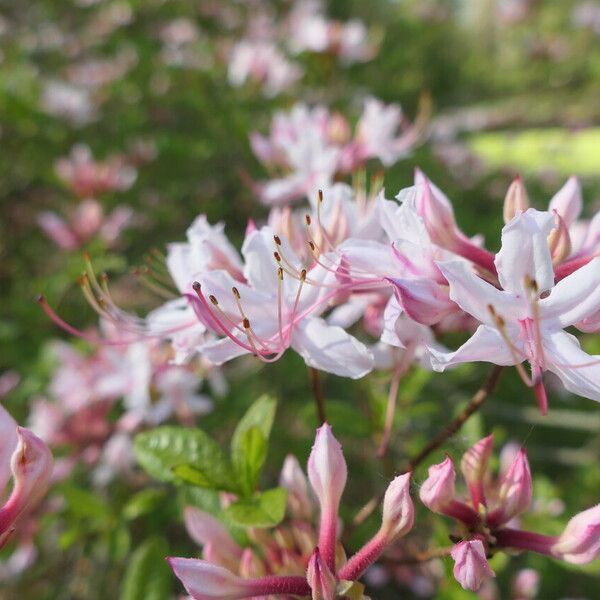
322	571
486	517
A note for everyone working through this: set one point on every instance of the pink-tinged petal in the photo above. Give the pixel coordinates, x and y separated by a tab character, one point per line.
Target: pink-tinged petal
321	580
31	465
398	509
474	467
470	564
516	488
58	231
203	528
578	371
8	443
436	211
119	219
568	202
327	473
221	351
525	254
485	345
526	584
251	565
294	480
516	200
575	297
87	218
474	295
423	300
205	581
331	349
438	490
580	541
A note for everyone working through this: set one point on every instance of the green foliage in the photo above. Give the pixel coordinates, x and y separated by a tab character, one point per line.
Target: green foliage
265	509
163	450
148	576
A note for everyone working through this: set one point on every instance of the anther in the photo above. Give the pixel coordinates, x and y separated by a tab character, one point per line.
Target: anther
213	299
308	219
246	323
280	273
277	256
320	195
311	245
303	275
236	292
277	240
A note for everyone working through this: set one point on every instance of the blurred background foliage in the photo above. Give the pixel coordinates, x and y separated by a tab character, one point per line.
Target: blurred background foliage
512	93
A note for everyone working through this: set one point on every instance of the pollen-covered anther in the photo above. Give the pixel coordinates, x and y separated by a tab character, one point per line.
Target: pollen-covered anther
277	240
246	323
214	300
277	256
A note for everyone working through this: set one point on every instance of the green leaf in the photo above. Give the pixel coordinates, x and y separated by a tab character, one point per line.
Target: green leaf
250	441
164	450
148	576
266	509
84	504
143	503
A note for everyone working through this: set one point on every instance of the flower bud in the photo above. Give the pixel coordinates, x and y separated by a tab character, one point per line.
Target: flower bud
470	564
516	487
321	580
204	529
210	582
438	490
251	565
474	465
559	241
31	466
516	200
398	509
580	541
327	469
292	478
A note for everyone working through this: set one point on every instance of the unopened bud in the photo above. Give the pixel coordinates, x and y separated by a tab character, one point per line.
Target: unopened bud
438	489
516	200
580	541
470	564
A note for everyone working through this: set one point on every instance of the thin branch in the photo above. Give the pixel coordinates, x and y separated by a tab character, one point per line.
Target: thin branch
417	558
315	382
474	405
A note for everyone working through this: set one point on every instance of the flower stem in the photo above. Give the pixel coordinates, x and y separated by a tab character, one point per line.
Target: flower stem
315	382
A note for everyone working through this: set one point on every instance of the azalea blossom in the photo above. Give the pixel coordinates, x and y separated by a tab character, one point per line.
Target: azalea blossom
526	318
487	516
228	571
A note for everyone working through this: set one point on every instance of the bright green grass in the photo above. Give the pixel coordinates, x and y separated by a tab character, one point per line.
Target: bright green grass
537	150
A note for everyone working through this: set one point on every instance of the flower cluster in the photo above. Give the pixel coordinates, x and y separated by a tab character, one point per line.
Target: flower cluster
487	518
287	561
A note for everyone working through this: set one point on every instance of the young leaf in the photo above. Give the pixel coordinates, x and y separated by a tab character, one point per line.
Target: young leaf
266	509
164	449
148	576
249	442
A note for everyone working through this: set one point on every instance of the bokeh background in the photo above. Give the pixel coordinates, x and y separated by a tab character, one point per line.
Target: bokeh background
512	88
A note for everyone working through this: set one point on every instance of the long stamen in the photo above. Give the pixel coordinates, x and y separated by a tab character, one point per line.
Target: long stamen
500	326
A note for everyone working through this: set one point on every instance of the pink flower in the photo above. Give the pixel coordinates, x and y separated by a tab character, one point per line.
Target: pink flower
470	564
526	318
